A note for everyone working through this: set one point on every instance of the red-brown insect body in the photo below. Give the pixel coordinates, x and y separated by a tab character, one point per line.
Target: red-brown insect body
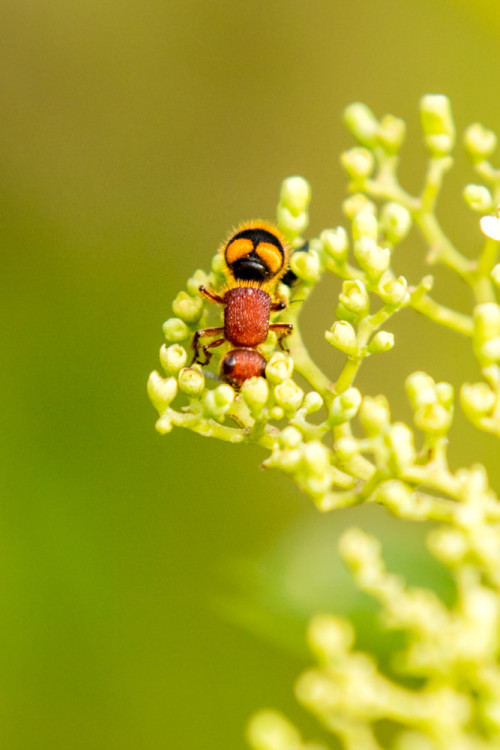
240	364
255	257
246	316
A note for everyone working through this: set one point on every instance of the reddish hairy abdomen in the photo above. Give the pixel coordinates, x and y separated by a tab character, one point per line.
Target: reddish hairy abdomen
246	316
241	364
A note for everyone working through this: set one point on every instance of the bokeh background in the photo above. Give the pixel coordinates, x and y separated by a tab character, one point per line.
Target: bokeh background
154	590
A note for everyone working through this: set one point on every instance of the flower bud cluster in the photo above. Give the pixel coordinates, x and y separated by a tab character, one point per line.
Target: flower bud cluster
307	462
292	211
486	337
432	403
388	133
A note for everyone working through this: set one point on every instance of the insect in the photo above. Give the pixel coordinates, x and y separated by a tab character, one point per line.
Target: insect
256	257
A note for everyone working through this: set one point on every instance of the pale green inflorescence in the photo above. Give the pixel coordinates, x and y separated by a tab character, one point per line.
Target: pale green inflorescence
342	447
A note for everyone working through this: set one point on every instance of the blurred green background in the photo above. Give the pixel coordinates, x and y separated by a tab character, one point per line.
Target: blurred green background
133	135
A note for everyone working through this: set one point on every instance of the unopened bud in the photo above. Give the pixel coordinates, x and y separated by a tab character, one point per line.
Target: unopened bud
199	278
478	197
289	396
330	637
345	406
356	203
290	224
391	133
401	442
295	194
343	337
306	266
335	243
269	730
172	358
394	292
312	402
191	381
374	260
437	123
362	123
358	162
279	367
161	391
255	392
355	298
383	341
219	401
174	329
375	415
480	142
365	224
395	222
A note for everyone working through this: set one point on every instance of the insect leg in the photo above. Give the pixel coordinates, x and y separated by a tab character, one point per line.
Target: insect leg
281	330
196	343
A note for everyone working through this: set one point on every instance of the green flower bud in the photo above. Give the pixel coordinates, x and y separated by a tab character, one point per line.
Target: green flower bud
447	545
479	142
394	292
345	406
295	194
432	418
345	448
358	162
362	123
279	367
164	424
290	438
486	322
269	730
199	278
401	443
330	637
437	123
175	330
219	401
312	402
358	549
306	266
191	381
396	496
161	391
495	274
218	265
276	413
335	243
391	133
490	350
420	389
356	203
355	298
365	224
395	222
289	396
375	415
478	198
374	260
343	337
255	393
316	457
172	358
292	226
490	226
445	394
383	341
